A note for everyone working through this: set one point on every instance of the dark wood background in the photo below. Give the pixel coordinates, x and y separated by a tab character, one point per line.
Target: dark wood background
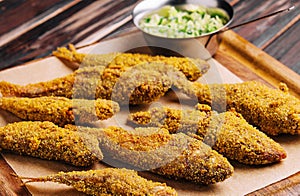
31	29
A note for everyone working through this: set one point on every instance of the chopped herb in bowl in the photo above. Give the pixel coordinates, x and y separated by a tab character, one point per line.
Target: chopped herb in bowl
192	21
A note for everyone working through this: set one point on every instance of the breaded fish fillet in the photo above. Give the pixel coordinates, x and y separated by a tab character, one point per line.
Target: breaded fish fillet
273	111
140	84
109	181
59	110
176	156
227	132
192	68
45	140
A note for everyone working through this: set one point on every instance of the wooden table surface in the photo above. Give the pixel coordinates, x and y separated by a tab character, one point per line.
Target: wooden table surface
33	29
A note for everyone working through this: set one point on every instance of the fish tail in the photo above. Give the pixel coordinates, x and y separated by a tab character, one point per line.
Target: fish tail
69	56
9	90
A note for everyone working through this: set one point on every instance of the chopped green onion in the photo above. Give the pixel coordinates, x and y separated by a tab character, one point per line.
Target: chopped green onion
176	23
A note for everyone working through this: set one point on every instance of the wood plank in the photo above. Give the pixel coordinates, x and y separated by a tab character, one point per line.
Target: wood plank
9	184
236	67
25	10
260	32
290	40
72	26
282	31
36	21
287	186
119	19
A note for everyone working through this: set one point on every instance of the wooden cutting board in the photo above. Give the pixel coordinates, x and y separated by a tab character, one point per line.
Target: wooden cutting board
238	59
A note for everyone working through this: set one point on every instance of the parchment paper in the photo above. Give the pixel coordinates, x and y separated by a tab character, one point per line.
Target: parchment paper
245	179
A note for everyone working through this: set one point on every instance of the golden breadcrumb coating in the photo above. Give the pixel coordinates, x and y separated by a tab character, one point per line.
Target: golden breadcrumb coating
58	87
45	140
273	111
60	110
176	156
140	84
109	181
192	68
227	132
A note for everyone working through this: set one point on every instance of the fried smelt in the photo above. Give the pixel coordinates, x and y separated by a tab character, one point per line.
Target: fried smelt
192	68
45	140
57	87
176	156
140	84
273	111
59	110
228	133
109	181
